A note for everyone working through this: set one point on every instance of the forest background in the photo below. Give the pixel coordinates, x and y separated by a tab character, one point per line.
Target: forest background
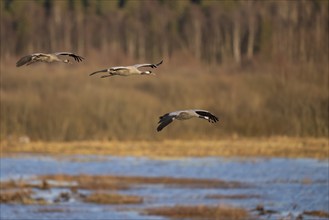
261	66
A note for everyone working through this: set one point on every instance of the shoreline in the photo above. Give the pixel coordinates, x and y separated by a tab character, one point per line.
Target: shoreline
286	147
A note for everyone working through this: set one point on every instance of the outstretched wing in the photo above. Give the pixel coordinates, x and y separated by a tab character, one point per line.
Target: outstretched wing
76	57
24	60
207	115
116	68
164	121
99	71
149	65
29	59
163	117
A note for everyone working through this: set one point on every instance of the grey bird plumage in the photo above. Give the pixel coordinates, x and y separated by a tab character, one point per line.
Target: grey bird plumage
127	70
167	118
47	57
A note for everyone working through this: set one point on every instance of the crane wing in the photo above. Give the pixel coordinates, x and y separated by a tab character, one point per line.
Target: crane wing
210	117
76	57
165	120
29	59
115	68
24	60
99	71
149	65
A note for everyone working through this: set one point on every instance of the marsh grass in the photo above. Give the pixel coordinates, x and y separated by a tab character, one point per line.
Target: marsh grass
62	103
105	189
200	212
108	182
111	198
317	213
87	182
19	196
235	196
226	147
52	210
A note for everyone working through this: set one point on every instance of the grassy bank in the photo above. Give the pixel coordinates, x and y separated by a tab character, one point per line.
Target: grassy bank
234	147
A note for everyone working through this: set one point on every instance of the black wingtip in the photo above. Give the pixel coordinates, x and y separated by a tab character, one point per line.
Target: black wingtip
158	64
99	71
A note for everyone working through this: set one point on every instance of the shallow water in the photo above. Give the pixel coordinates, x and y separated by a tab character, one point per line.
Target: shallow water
285	185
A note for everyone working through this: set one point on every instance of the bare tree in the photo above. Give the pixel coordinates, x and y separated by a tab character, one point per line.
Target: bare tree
252	17
237	37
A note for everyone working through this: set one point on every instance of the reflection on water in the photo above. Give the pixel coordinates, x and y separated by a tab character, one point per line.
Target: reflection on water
285	185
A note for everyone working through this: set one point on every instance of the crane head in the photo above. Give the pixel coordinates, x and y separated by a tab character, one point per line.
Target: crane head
148	72
67	61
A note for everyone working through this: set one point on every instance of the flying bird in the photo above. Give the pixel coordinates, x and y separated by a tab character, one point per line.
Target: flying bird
167	118
128	70
47	57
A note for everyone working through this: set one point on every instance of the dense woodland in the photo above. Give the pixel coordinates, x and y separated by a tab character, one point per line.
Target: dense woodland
212	31
262	66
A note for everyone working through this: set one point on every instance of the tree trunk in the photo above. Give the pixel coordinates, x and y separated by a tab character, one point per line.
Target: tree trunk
236	39
197	38
251	36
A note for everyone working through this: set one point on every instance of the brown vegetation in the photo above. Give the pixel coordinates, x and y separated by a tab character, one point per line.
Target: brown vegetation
90	182
52	104
236	196
227	147
99	185
20	192
19	196
278	87
317	213
11	185
200	212
107	182
50	210
114	199
263	211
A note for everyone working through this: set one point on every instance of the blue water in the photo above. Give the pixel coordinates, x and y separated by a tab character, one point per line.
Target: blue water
285	185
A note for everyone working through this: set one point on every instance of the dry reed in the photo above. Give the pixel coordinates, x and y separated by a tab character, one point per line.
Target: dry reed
62	103
226	147
114	199
200	212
